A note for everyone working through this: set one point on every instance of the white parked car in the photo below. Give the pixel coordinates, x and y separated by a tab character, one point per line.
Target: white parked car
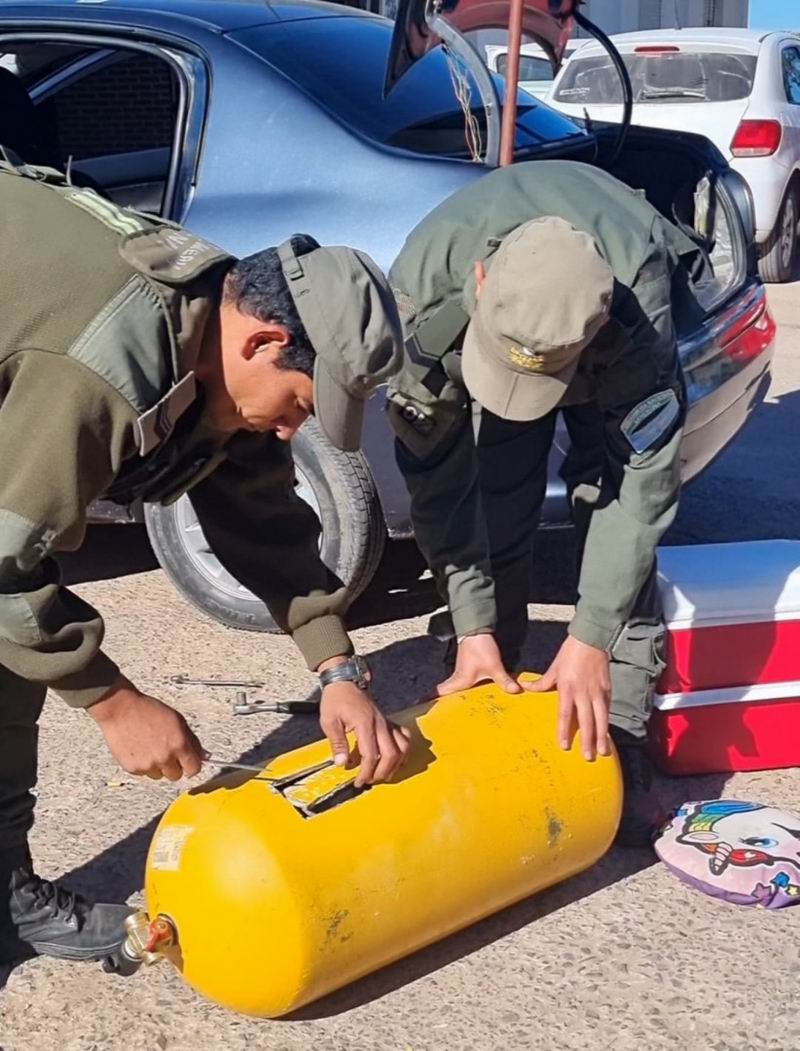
738	87
535	70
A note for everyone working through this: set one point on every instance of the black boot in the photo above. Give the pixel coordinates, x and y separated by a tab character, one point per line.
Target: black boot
40	918
642	812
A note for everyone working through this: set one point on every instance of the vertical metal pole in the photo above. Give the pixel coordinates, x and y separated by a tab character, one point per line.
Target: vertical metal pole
508	129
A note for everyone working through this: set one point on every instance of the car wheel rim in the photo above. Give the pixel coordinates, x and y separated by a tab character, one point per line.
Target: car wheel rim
199	552
788	234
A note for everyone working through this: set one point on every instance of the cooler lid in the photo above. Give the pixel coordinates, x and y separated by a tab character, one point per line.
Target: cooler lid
736	583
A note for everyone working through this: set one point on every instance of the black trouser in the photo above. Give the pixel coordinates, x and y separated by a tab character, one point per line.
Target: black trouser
513	460
20	707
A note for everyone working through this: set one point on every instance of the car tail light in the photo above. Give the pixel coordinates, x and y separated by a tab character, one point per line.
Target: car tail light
756	138
751	335
656	49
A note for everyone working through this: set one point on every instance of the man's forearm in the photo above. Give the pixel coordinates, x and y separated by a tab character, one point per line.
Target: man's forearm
621	545
50	635
322	640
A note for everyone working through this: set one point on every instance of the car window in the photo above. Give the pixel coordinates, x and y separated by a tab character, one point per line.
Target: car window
110	113
530	68
791	73
29	130
340	63
128	104
32	62
683	77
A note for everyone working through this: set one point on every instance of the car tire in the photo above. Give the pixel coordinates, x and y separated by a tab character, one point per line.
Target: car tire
340	488
779	255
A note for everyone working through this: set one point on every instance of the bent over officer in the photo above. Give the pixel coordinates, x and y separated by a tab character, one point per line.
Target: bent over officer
138	361
545	288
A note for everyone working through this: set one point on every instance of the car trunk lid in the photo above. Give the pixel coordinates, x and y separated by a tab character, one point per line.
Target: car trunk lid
548	22
422	25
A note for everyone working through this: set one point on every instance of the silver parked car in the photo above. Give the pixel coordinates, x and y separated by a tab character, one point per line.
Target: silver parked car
248	122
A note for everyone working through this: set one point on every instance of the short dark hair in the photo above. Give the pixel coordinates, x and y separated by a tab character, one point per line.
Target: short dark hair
256	286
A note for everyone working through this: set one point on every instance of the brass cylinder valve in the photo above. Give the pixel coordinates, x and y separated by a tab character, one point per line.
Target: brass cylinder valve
146	943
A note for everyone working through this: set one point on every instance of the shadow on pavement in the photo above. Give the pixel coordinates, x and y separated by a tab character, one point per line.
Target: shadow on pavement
118	872
751	490
402	588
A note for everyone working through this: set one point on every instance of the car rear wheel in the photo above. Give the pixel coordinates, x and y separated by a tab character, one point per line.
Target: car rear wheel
338	486
780	252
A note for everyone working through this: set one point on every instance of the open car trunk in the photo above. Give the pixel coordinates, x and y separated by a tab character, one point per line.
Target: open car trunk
689	182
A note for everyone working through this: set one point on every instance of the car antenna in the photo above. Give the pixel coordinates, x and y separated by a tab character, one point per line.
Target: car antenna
677	15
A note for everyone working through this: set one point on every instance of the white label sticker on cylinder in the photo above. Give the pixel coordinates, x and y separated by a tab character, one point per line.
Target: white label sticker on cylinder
168	847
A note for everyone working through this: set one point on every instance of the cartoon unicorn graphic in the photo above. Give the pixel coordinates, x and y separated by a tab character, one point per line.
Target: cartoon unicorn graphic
758	841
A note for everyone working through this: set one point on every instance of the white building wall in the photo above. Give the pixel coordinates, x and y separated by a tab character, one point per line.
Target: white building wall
624	16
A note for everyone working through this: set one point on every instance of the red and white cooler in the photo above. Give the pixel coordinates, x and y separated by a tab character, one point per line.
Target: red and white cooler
729	697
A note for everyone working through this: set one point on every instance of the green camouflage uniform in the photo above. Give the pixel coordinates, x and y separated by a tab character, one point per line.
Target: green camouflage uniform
104	313
477	482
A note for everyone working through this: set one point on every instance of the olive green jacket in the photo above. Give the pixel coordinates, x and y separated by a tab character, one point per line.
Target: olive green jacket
103	316
631	370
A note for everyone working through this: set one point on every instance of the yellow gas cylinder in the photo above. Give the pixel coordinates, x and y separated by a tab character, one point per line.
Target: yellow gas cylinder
283	886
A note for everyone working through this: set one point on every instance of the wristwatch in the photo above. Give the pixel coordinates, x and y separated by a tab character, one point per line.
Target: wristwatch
354	669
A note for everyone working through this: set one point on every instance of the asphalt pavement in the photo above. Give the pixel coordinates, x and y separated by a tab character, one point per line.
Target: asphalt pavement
621	957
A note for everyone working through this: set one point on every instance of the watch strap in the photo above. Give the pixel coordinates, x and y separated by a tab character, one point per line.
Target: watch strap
354	669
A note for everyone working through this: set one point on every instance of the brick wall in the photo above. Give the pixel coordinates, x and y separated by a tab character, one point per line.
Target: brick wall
127	106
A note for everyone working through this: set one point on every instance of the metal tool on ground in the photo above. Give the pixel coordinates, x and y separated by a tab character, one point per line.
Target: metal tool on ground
243	705
340	881
184	680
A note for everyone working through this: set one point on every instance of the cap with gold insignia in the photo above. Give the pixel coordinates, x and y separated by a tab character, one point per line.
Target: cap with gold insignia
350	315
546	296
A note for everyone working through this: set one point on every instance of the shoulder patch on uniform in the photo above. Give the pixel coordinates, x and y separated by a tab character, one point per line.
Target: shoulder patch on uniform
650	420
175	257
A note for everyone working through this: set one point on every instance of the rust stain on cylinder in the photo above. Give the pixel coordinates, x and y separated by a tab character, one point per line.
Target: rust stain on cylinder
554	829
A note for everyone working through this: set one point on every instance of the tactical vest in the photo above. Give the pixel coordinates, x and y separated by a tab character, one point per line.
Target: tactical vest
124	293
